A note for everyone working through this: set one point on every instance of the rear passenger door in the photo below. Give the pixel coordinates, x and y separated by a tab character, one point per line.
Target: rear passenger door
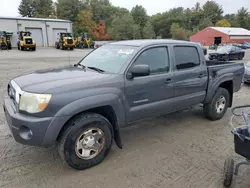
190	77
150	95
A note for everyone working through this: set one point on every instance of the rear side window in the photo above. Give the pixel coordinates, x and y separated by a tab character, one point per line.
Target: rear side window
186	57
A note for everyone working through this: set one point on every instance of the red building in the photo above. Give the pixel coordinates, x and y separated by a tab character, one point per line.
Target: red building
221	35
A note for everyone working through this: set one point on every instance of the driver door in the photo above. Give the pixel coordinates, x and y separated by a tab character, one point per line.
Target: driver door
150	95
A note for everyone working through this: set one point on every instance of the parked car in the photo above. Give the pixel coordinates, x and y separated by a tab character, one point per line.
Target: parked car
82	108
226	53
247	44
242	46
247	73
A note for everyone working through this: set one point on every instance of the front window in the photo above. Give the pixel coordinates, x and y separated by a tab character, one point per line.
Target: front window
109	58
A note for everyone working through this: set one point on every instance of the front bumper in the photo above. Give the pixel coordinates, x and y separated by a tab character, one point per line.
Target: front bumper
25	129
29	45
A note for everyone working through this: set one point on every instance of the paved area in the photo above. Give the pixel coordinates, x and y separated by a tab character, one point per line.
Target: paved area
179	150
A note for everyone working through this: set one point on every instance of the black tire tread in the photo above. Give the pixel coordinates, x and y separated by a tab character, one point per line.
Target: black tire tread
67	129
228	172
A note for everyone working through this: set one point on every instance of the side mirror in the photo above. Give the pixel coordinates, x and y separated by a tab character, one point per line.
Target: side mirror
138	71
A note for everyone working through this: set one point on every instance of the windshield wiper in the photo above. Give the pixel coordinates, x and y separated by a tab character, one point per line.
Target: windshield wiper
96	69
79	64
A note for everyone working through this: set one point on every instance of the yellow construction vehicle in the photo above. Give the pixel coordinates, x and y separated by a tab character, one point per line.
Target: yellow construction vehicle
65	42
84	42
5	42
25	41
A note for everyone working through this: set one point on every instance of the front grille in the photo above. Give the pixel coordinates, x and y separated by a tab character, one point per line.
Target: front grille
28	41
69	41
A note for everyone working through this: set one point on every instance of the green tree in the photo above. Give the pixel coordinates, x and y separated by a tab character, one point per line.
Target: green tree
148	31
136	32
84	22
243	18
206	22
69	10
43	8
123	28
26	9
223	23
177	32
140	16
213	11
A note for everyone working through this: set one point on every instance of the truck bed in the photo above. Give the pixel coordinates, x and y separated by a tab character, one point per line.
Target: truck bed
214	63
220	70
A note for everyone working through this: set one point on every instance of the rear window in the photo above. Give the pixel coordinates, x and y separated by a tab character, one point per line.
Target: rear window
186	57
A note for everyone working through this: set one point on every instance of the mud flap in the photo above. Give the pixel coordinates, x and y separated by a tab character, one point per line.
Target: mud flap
117	138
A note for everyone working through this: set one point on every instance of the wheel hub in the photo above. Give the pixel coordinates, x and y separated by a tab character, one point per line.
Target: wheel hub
220	104
90	143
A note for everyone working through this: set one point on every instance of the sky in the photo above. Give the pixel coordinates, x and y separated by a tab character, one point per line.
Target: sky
10	7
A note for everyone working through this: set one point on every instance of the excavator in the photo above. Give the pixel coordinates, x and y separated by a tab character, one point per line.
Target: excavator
5	43
65	42
25	41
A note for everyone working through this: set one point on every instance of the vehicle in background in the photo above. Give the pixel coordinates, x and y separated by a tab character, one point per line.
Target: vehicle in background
25	41
84	41
226	53
242	46
247	73
247	44
65	41
5	43
82	108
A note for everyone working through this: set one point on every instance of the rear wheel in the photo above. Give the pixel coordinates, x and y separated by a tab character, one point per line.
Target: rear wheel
22	48
228	172
240	57
71	48
226	58
216	109
86	141
34	49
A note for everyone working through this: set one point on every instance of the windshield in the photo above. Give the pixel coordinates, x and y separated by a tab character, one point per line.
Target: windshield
109	58
224	49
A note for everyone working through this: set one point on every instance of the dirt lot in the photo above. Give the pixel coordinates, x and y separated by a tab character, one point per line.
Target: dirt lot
180	150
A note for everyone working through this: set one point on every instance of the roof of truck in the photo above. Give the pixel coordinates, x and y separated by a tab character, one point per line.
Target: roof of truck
149	42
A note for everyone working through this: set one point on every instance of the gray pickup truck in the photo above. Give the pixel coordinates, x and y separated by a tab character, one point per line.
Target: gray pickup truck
81	108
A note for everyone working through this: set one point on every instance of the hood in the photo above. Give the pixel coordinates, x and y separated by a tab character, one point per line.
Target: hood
47	79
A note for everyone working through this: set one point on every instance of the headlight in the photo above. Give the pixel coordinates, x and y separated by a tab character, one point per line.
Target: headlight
34	103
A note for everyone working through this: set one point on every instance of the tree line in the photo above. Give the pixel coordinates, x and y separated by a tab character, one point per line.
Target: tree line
104	21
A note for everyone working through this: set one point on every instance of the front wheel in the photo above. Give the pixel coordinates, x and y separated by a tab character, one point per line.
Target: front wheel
228	172
217	107
86	141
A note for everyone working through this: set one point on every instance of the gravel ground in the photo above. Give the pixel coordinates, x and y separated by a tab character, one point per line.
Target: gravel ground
179	150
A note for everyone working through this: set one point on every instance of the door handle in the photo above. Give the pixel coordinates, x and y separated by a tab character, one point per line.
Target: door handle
200	75
168	81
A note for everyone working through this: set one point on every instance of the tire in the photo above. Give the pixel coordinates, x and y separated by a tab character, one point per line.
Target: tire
75	128
71	48
240	57
228	172
211	109
22	48
226	58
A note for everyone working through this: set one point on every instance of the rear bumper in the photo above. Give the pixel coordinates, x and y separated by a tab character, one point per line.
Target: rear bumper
29	130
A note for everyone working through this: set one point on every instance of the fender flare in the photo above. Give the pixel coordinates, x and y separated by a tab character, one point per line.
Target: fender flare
84	104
